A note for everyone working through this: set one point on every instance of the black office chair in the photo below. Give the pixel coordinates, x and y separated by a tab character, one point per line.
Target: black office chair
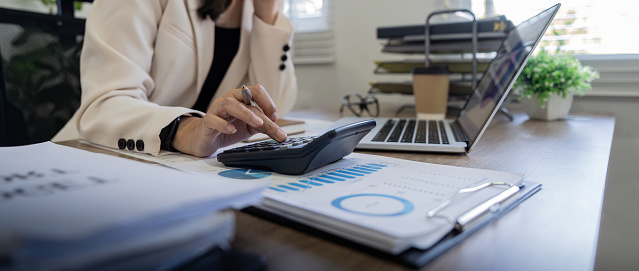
40	82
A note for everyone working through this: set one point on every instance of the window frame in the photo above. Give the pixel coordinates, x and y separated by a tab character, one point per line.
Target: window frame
619	74
314	46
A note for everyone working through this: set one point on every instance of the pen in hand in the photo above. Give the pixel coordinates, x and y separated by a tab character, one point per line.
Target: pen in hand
248	98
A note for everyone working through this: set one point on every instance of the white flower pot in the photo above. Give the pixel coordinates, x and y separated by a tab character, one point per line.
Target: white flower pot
556	108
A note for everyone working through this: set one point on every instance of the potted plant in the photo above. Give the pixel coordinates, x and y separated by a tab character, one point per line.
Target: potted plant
549	81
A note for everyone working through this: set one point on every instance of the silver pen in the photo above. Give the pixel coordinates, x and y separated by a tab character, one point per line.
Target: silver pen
248	98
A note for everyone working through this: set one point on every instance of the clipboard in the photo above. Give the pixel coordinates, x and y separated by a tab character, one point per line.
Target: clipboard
414	258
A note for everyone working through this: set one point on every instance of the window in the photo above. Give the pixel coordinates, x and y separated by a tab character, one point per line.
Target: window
598	32
307	15
581	26
313	42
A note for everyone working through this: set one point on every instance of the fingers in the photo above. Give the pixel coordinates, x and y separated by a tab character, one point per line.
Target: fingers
224	109
261	98
269	128
214	122
223	112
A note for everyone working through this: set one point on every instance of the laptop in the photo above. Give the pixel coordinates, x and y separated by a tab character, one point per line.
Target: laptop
459	135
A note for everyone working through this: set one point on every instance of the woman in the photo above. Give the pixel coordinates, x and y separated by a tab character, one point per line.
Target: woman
154	74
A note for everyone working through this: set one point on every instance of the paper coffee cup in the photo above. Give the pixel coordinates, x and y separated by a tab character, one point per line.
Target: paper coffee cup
430	89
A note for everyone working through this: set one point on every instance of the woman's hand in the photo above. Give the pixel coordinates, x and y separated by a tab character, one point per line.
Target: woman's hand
266	10
228	121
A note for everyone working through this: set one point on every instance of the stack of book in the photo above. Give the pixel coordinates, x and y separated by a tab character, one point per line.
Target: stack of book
449	45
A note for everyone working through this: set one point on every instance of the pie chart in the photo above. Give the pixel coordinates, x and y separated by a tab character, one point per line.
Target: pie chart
373	204
245	174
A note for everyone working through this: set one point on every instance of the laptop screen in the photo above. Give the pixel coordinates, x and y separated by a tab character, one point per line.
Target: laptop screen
502	73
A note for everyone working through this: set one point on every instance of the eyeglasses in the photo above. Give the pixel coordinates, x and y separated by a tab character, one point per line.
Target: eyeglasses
357	104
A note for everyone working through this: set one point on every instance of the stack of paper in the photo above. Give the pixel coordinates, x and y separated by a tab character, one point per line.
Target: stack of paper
64	208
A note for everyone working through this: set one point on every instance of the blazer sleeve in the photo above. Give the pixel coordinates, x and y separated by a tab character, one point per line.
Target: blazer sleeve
270	61
115	67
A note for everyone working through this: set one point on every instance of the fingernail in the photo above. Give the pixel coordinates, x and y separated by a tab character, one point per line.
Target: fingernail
274	116
280	135
257	121
231	129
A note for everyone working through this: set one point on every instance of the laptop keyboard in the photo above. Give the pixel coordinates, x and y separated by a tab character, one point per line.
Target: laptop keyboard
412	131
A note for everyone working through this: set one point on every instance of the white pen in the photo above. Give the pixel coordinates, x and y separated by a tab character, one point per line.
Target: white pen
248	98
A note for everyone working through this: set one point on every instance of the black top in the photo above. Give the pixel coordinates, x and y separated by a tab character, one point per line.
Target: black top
227	41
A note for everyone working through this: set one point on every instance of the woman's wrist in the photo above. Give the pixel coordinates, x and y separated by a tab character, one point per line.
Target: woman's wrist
184	131
167	135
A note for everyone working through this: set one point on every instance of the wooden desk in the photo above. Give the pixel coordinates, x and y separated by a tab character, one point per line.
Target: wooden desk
556	229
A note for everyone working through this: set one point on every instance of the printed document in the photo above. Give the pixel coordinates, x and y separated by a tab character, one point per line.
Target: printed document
378	201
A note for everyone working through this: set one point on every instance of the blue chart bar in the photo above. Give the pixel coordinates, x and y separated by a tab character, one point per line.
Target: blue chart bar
288	187
332	178
311	183
346	171
370	170
321	180
341	175
358	171
300	185
371	167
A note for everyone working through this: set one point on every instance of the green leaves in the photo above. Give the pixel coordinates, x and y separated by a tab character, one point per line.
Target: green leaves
54	3
42	81
559	73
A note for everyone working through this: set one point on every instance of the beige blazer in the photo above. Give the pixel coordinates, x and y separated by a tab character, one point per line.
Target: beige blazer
144	63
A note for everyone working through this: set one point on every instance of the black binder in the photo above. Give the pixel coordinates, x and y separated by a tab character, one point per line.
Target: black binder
495	24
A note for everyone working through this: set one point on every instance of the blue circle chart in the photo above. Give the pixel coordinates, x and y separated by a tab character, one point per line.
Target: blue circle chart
350	203
245	174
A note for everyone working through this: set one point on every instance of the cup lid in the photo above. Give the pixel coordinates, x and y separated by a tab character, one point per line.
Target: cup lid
430	70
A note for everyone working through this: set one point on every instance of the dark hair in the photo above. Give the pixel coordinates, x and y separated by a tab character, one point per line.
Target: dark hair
213	8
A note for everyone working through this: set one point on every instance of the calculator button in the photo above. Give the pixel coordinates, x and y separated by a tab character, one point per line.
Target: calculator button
284	147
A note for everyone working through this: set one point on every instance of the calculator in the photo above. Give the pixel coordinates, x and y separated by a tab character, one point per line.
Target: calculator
298	155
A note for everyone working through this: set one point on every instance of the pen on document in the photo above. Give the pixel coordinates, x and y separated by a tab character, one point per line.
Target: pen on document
248	98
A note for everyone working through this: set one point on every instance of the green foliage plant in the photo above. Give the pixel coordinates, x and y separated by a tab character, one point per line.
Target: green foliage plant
51	4
557	73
